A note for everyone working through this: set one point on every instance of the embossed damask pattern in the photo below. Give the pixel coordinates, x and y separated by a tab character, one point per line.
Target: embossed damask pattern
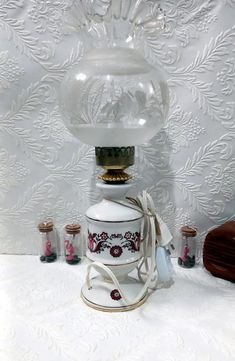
43	318
188	168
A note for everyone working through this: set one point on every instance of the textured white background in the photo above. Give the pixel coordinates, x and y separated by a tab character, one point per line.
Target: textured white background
189	168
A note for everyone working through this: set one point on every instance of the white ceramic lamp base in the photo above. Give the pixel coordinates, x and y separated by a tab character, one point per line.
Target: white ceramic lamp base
103	296
114	236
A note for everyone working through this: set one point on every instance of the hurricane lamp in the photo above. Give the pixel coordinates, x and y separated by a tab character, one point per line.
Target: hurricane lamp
113	100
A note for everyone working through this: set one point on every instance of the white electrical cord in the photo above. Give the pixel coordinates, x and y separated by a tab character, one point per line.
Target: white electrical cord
149	243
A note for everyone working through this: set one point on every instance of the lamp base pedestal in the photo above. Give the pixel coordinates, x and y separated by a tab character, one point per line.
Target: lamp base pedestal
103	296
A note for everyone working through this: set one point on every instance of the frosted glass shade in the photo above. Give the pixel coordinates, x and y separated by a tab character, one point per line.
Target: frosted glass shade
114	98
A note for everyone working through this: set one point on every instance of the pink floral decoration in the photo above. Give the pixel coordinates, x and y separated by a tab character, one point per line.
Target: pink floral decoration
116	251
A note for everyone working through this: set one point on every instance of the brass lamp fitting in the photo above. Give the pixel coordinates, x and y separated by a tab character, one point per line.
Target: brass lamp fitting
114	160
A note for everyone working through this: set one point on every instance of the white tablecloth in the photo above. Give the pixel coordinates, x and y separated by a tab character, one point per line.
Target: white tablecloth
42	318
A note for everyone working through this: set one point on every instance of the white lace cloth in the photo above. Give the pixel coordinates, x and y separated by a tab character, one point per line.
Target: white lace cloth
42	318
